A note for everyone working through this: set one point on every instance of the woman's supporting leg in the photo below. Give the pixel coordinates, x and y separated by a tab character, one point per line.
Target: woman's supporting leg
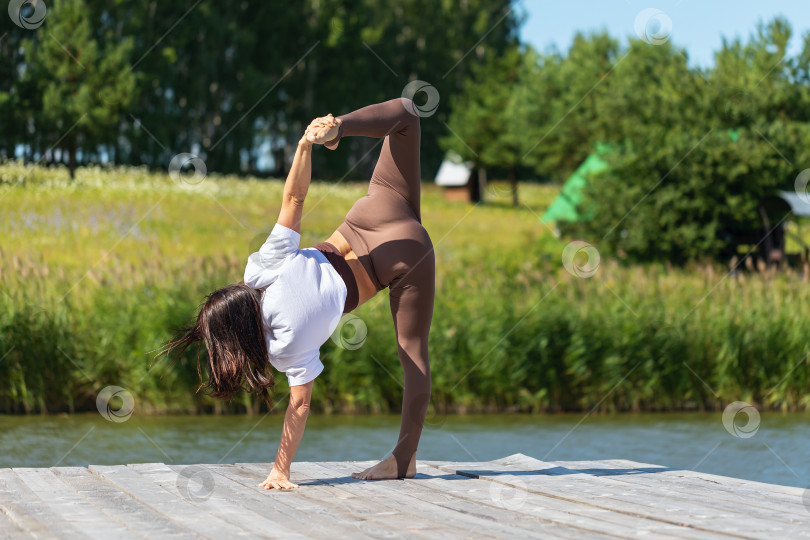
398	165
412	309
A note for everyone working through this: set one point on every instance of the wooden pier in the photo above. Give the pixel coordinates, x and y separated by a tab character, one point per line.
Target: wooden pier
512	497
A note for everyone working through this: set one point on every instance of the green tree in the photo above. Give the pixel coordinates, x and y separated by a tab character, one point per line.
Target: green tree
519	118
489	124
82	86
14	98
568	115
694	160
386	46
478	122
233	81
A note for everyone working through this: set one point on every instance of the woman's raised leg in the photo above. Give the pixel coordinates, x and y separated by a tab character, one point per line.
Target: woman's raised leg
398	165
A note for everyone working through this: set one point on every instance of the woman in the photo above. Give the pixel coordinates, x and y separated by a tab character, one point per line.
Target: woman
292	299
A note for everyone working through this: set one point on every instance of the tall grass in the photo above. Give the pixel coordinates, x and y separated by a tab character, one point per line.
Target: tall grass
94	274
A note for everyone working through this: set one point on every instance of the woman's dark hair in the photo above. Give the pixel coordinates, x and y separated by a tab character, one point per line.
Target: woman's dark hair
230	325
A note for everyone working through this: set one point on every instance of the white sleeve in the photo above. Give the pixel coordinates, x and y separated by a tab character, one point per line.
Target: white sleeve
264	265
302	375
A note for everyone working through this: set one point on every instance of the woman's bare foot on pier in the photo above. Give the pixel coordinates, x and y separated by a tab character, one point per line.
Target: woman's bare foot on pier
386	470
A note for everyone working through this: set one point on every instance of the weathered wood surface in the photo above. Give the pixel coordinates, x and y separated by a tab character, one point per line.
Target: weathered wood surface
512	497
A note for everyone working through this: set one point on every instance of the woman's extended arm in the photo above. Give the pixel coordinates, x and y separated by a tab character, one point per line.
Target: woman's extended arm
295	420
297	184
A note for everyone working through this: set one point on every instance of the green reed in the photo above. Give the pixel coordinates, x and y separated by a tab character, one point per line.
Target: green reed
95	274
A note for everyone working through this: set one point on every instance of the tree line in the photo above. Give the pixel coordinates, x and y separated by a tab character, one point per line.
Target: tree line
693	151
138	81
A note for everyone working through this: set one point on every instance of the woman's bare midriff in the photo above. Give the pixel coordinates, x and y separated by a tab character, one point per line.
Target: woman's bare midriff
365	287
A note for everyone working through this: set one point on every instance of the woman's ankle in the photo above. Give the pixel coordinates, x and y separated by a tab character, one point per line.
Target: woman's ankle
333	143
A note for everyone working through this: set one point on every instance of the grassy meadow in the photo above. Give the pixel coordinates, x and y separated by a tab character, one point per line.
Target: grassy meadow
95	273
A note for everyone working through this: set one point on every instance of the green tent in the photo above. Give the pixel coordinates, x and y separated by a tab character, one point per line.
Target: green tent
564	207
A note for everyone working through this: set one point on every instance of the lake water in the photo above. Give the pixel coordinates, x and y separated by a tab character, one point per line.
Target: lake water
778	452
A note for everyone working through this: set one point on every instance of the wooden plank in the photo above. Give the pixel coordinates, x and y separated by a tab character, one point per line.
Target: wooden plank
213	502
527	508
774	492
350	505
84	516
28	511
342	490
311	505
749	506
9	528
394	494
108	497
751	519
442	506
730	480
606	498
691	483
168	504
602	492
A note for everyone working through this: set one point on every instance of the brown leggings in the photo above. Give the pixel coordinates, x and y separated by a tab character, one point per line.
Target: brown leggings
384	228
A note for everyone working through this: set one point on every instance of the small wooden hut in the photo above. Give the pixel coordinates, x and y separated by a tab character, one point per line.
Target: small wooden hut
461	180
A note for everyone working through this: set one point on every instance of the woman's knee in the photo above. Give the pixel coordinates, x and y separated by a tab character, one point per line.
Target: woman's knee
410	113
